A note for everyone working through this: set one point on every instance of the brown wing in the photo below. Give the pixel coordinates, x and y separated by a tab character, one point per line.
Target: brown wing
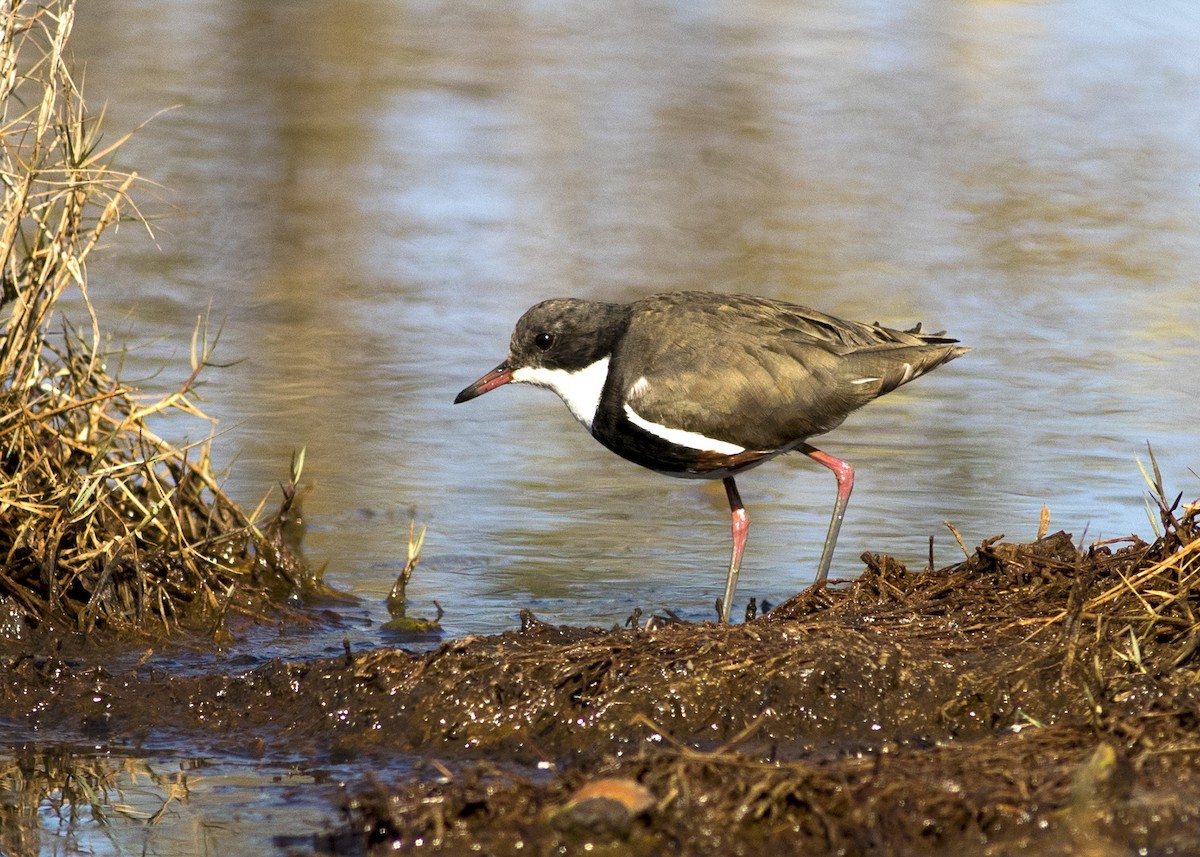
797	371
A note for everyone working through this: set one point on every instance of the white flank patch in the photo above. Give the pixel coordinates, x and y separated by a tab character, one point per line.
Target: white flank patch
864	380
679	437
579	390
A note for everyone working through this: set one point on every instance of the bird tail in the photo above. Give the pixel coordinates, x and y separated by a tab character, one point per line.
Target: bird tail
878	371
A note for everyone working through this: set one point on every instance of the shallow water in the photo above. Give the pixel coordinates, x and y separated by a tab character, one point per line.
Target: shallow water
90	801
367	195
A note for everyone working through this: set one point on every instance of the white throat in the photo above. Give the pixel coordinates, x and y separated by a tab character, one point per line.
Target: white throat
580	390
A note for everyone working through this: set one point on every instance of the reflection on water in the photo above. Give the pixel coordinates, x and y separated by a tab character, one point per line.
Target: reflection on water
369	194
57	801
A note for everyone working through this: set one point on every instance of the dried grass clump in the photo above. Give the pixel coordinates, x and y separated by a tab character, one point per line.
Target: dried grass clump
102	522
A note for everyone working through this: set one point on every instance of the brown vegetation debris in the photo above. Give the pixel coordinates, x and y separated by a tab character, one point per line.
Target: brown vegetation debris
1034	697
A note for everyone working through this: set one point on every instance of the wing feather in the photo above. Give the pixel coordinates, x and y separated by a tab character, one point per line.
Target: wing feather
797	371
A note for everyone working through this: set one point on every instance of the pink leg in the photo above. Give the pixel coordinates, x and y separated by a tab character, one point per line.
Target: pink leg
845	480
741	526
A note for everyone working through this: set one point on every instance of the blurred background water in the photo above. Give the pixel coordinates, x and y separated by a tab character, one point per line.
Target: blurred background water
367	194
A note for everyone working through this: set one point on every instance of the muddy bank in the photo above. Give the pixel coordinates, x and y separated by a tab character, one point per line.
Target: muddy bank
918	658
1031	694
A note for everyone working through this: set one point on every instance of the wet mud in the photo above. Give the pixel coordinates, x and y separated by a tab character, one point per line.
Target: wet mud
1033	698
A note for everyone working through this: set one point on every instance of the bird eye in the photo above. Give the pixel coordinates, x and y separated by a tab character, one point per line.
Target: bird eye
543	341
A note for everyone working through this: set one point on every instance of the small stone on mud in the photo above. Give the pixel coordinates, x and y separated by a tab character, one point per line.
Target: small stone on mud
604	807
